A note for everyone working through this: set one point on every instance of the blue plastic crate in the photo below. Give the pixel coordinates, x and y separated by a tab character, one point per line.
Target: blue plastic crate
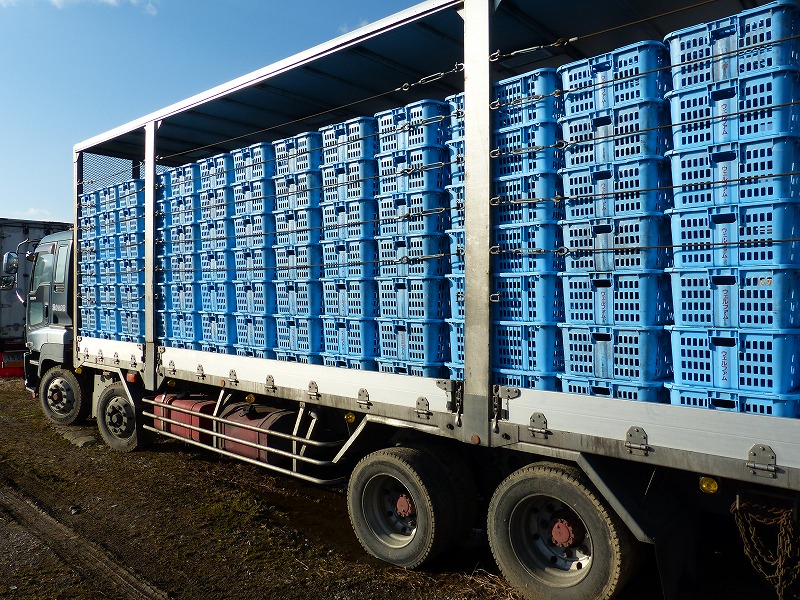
356	139
352	298
89	321
526	150
421	169
458	149
349	362
108	199
413	256
298	227
108	295
103	248
88	204
182	344
130	193
759	39
631	74
182	210
183	297
354	180
546	382
534	298
527	347
216	234
528	98
131	245
418	299
183	326
108	321
456	103
298	190
252	264
216	203
416	341
216	171
414	213
527	248
217	265
351	337
633	187
106	224
354	259
349	220
218	297
737	235
163	186
254	197
255	297
108	271
254	352
89	295
253	231
88	228
617	134
179	239
301	262
525	199
299	298
299	335
183	268
457	198
777	405
130	219
130	271
653	391
621	243
414	369
457	238
299	153
421	123
253	162
131	323
131	297
641	299
725	298
619	353
257	332
89	272
457	285
218	328
751	107
742	172
185	180
298	357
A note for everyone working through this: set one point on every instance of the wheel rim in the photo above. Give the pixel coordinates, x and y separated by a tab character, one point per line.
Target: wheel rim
551	541
390	511
60	396
120	418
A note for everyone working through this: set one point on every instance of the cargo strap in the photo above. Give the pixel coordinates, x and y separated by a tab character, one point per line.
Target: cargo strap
779	567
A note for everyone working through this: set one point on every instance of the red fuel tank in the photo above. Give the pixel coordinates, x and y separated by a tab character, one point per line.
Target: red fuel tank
196	403
265	419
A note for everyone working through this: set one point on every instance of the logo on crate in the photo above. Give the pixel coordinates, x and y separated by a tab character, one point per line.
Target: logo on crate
724	233
724	365
603	307
724	180
724	111
726	306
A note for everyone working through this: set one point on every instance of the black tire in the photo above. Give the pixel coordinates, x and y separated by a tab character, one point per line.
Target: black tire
399	506
554	538
119	420
64	400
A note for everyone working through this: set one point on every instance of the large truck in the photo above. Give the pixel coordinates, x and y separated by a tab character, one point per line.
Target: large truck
18	236
182	303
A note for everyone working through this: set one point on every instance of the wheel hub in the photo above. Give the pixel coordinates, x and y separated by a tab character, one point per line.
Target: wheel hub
59	395
404	507
566	529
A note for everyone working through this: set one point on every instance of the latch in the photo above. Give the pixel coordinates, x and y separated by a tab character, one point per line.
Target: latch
762	462
116	358
363	398
269	386
133	361
232	378
501	393
538	426
200	372
455	395
636	442
171	368
99	356
423	408
313	391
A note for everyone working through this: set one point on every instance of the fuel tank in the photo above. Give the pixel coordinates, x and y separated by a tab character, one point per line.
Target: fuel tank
264	418
196	403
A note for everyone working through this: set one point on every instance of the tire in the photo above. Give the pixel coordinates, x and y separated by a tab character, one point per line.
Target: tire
400	507
64	400
119	420
554	538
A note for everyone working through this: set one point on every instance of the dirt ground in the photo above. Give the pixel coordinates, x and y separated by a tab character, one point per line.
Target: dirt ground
193	525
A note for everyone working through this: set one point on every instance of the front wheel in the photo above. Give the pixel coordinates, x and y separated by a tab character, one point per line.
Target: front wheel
120	420
64	400
554	539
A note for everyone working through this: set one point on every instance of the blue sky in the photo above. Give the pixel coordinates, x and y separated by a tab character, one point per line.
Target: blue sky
73	69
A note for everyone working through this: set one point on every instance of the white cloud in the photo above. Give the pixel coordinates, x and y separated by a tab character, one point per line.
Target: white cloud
147	6
345	28
38	214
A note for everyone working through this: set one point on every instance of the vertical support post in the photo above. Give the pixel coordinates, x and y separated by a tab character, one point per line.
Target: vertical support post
149	254
477	165
77	174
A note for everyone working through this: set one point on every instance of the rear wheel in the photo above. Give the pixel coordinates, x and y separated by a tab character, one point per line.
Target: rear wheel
554	538
120	420
64	400
399	506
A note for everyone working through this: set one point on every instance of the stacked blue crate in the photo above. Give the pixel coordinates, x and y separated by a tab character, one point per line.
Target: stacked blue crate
616	236
526	291
298	248
736	277
412	245
348	290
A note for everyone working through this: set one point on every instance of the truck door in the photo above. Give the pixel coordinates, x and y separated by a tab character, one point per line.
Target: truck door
41	287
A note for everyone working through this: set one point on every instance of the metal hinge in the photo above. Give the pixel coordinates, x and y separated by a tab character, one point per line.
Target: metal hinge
538	426
762	462
423	408
201	374
232	378
313	391
171	368
636	442
269	386
133	361
500	393
115	360
363	398
455	394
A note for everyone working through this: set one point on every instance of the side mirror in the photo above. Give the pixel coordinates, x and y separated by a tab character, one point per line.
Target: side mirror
10	263
7	282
